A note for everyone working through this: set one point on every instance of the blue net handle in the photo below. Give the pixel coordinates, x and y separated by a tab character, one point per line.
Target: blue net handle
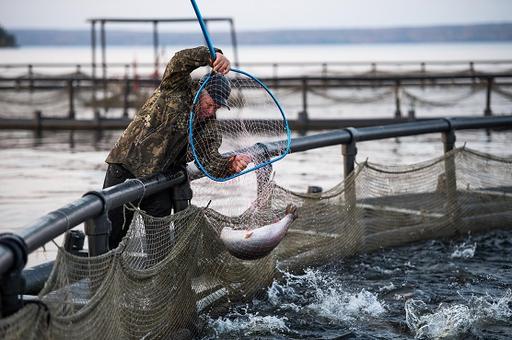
206	34
260	165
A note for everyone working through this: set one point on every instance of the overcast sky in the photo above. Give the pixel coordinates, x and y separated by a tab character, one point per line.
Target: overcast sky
260	14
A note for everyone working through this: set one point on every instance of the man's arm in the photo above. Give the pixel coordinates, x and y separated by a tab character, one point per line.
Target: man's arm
207	148
185	61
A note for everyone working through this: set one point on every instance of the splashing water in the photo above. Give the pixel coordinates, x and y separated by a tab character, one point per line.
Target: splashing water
315	294
339	305
464	251
364	297
247	324
450	321
328	298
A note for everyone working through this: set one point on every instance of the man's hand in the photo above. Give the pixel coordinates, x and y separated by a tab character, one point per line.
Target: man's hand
238	163
221	64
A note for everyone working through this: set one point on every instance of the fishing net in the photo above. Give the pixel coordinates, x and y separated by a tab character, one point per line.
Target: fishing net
170	272
248	115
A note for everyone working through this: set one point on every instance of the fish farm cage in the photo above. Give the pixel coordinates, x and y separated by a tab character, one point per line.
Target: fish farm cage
155	287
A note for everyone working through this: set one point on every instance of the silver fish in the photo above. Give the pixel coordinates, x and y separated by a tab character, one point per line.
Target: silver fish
259	242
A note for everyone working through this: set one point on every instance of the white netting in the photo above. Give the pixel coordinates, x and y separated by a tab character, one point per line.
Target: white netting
247	114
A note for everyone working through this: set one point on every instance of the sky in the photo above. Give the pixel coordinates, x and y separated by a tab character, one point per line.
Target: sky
260	14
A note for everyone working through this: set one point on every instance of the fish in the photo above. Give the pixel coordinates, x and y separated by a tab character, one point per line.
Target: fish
259	242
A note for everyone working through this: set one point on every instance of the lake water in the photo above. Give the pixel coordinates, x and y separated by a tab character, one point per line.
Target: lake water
316	54
42	173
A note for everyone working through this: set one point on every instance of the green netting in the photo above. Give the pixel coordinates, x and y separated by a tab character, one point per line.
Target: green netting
169	272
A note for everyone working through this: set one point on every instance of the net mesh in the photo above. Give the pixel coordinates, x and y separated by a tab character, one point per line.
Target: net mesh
248	114
169	272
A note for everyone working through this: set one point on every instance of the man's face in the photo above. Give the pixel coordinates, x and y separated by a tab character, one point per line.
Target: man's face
206	106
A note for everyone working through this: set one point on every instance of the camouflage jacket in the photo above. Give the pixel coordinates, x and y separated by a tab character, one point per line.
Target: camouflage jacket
157	138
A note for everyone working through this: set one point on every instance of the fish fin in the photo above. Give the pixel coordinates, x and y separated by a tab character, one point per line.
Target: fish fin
291	209
248	234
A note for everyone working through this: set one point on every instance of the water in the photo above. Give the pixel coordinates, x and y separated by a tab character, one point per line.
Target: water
274	53
390	294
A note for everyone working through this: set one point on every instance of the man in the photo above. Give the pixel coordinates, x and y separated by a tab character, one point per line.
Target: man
156	141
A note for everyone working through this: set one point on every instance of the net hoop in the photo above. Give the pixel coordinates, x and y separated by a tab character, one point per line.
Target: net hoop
256	167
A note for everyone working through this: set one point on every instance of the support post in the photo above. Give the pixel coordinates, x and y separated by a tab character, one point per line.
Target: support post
12	283
98	229
398	111
93	67
411	114
423	70
324	73
126	97
374	68
303	115
71	92
488	111
472	71
93	50
30	77
305	96
38	131
349	152
275	74
155	46
354	232
234	42
78	75
104	62
38	118
449	182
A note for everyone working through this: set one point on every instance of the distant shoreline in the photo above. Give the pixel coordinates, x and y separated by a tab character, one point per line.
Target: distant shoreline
430	34
186	45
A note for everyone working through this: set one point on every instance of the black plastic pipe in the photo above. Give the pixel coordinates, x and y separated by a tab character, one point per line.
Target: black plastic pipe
59	221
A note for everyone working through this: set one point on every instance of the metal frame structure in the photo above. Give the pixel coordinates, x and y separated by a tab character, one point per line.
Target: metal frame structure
92	207
154	21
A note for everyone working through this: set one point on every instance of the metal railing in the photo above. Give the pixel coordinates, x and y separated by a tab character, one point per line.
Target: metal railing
304	86
92	207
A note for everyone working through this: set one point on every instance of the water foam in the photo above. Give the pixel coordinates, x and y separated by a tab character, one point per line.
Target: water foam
464	250
339	305
317	293
328	297
387	288
449	321
248	324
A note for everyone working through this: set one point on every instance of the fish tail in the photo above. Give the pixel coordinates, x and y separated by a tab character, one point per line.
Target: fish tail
291	209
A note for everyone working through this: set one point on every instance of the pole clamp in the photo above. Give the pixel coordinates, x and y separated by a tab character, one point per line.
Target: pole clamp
350	148
449	122
18	248
12	283
354	134
101	224
102	197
